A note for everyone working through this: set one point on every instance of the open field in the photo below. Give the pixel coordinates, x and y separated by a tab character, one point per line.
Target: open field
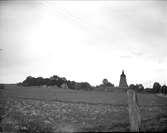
40	109
67	95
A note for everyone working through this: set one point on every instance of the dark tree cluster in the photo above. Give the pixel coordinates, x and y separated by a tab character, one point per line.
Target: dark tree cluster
137	87
77	86
39	81
157	88
164	89
54	80
106	85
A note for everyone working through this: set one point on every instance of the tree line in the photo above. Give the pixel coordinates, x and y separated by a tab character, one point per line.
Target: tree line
54	81
63	82
157	88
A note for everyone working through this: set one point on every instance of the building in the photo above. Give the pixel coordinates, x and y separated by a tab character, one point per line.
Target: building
123	82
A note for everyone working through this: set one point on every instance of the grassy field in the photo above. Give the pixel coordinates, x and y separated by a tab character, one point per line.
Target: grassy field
42	109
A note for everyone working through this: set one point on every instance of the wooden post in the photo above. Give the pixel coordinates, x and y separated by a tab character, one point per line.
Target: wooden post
134	111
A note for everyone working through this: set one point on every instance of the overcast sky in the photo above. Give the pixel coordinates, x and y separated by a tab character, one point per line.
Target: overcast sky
84	40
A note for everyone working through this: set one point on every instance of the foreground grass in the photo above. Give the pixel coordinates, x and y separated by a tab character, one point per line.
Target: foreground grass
42	116
34	116
41	110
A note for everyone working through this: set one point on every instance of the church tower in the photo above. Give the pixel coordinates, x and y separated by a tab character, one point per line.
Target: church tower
123	83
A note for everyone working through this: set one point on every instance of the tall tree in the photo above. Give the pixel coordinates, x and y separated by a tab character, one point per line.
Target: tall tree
164	89
156	87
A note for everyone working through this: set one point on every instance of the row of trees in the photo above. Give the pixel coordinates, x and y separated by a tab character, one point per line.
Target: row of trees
104	86
137	87
54	80
157	88
64	83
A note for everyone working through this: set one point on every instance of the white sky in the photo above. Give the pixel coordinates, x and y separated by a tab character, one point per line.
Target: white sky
84	40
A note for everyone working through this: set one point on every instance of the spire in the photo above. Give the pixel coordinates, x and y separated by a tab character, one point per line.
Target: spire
123	82
122	73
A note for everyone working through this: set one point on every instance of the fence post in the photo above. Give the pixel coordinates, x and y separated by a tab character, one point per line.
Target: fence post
134	112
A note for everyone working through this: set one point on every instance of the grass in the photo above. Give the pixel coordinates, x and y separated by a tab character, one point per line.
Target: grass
49	110
59	115
79	96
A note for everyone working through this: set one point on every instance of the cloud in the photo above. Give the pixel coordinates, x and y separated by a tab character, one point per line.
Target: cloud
81	38
140	27
125	56
17	15
17	18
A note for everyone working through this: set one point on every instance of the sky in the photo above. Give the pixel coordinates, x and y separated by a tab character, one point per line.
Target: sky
84	40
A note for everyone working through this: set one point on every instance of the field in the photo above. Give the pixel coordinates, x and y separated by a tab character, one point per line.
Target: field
44	110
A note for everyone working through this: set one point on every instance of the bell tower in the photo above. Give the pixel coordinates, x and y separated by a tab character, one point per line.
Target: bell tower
123	82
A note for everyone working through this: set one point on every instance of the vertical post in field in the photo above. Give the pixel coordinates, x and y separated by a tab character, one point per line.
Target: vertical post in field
134	112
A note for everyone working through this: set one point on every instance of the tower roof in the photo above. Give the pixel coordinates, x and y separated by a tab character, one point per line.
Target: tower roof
123	73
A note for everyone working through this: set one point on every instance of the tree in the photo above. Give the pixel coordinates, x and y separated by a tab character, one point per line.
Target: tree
64	79
132	86
137	87
164	89
105	81
19	84
156	87
71	84
55	80
140	87
54	77
85	85
39	81
29	81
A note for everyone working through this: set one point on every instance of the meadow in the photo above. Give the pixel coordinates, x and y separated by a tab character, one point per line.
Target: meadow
49	110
